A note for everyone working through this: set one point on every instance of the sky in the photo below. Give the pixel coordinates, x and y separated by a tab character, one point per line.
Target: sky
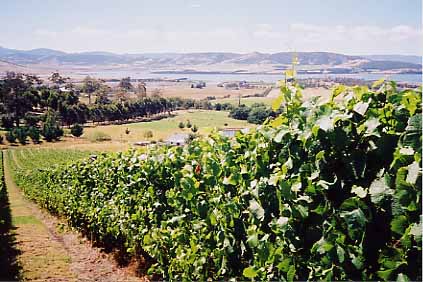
242	26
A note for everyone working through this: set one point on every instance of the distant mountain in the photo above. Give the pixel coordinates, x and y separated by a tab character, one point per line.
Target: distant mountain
44	52
398	58
211	60
388	65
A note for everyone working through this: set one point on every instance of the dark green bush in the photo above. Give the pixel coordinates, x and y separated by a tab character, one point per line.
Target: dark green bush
240	112
77	130
34	134
51	127
21	134
10	136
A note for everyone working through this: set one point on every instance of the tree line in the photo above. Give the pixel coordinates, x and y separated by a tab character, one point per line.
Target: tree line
30	107
257	113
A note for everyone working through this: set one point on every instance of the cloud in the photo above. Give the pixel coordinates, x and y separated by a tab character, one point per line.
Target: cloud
45	33
399	39
343	39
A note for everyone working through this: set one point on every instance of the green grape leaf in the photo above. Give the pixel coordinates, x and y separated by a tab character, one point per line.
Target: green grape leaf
249	272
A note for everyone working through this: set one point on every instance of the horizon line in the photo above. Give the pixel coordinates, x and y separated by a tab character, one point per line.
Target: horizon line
202	52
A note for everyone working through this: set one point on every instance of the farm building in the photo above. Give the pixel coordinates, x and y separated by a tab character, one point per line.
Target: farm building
199	84
177	139
230	132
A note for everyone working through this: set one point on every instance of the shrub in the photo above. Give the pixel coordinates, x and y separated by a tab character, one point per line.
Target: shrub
34	134
241	112
51	127
227	106
194	128
191	137
189	125
11	137
21	134
258	115
148	134
99	136
77	130
181	125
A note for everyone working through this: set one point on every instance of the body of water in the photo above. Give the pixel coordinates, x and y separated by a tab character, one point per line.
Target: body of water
216	78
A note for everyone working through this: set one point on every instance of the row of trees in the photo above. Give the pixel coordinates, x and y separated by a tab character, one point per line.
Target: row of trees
188	124
26	100
29	103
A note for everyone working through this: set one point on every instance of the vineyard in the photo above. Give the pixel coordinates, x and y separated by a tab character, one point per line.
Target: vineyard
328	190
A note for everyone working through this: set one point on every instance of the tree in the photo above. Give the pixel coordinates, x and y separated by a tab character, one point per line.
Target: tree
122	96
51	127
17	95
10	136
7	122
125	84
31	119
259	114
90	85
57	79
72	114
181	125
194	128
34	134
141	90
77	130
101	94
188	124
241	112
21	134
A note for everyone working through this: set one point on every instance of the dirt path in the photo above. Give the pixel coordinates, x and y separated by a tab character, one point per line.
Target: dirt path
46	253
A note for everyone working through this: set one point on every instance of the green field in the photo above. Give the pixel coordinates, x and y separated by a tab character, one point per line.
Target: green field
246	101
206	121
41	158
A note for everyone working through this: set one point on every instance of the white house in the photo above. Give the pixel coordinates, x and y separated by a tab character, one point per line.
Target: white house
177	139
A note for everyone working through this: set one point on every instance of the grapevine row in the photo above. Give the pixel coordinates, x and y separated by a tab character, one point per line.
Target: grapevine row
328	190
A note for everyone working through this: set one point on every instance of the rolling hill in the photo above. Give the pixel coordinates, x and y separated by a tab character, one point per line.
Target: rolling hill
214	61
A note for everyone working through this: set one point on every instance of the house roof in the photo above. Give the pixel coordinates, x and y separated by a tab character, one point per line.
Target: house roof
177	138
230	132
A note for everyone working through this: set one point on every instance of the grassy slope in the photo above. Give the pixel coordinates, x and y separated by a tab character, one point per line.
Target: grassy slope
41	257
206	121
245	101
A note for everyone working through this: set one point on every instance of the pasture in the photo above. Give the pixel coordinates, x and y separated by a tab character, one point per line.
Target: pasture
205	120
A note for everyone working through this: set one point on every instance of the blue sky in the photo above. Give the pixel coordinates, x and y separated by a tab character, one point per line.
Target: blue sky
137	26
